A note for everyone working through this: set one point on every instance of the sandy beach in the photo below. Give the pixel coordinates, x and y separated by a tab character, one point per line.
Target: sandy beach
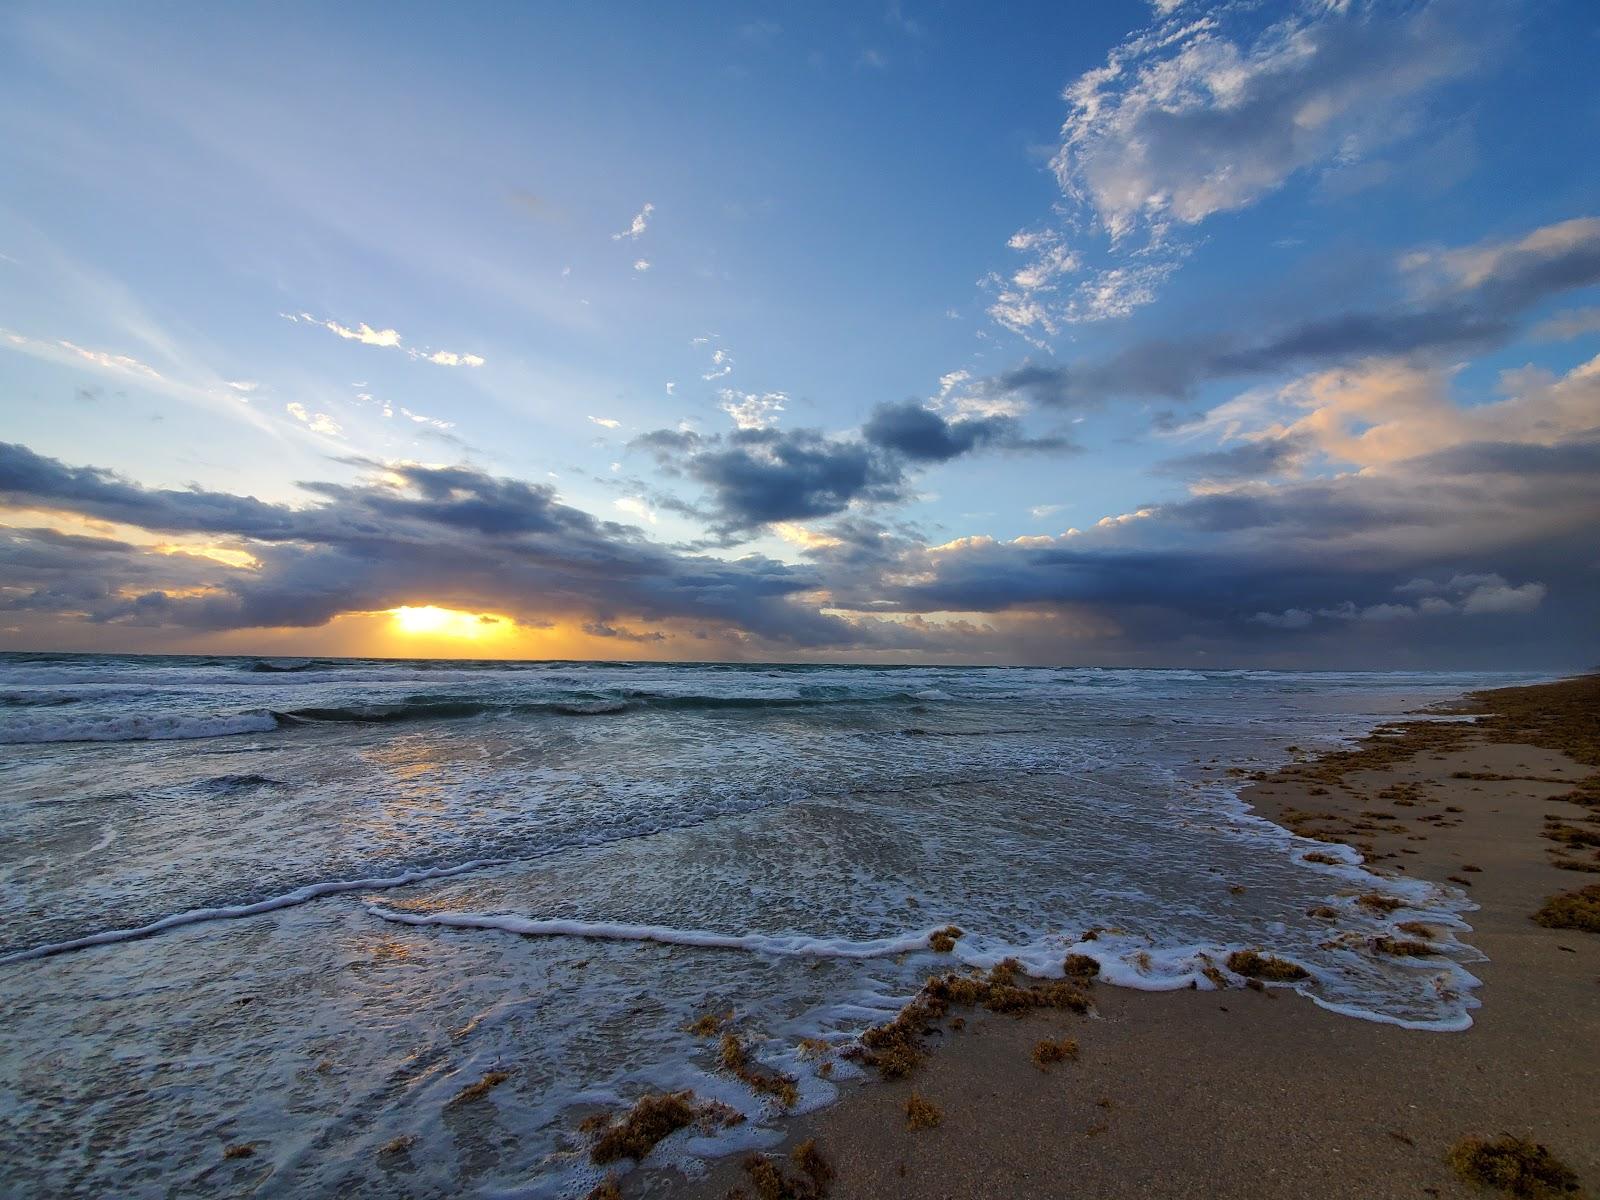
1260	1093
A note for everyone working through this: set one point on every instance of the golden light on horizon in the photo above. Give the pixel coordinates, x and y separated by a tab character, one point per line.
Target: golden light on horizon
429	620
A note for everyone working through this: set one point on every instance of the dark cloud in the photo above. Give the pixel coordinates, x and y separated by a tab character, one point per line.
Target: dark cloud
1315	571
1249	460
439	535
921	435
1477	300
757	476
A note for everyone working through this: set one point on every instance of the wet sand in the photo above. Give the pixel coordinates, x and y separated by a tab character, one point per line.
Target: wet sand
1240	1093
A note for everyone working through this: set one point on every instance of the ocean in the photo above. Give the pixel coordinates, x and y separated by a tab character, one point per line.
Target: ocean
299	904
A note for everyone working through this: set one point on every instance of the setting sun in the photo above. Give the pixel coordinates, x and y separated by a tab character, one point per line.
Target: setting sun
431	621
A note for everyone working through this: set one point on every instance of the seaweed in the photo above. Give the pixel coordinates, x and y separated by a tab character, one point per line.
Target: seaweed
1081	967
480	1089
1256	965
922	1113
772	1182
651	1118
944	940
735	1059
1578	909
1047	1052
1512	1164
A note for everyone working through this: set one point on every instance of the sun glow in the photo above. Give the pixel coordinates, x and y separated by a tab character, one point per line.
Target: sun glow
429	620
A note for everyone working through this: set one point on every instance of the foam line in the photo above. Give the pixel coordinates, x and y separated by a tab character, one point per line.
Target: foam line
196	916
785	945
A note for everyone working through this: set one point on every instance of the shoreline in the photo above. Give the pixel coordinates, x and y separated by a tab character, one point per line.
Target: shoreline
1260	1092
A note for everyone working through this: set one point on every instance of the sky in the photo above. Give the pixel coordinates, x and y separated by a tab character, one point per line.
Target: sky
1151	334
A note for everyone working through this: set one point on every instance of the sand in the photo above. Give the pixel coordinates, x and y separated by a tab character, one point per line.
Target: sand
1247	1094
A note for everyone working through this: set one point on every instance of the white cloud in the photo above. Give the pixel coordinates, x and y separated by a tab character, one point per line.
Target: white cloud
721	364
245	386
316	422
641	264
1044	510
1208	112
637	226
388	339
752	411
633	506
607	422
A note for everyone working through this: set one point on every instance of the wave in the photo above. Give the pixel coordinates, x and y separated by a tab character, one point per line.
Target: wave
132	728
196	916
784	945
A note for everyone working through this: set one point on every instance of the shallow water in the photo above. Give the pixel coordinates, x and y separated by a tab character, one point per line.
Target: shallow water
552	868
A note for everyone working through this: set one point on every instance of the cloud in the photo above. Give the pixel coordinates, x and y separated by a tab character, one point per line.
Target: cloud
721	363
1254	460
61	350
1462	304
1571	324
1198	117
750	410
1203	114
408	534
607	422
637	226
641	264
317	422
388	339
635	507
758	476
921	435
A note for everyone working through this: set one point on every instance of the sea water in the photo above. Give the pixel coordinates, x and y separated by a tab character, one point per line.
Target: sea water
298	905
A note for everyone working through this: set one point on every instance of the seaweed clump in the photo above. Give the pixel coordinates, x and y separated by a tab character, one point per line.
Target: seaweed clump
922	1113
896	1047
651	1118
480	1089
1255	965
606	1189
1047	1053
1081	967
772	1182
1572	910
1514	1165
944	940
735	1059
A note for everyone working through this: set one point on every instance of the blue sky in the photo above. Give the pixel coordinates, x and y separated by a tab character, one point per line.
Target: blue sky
851	308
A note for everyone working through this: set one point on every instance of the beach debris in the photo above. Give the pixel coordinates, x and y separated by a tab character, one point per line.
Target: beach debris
480	1089
1578	909
1418	929
944	940
1254	965
1325	912
398	1145
606	1189
1082	968
1047	1052
772	1182
240	1150
1400	947
735	1059
651	1118
922	1113
1512	1164
709	1024
1377	903
896	1047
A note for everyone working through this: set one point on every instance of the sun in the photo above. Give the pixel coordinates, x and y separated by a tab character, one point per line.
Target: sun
429	620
